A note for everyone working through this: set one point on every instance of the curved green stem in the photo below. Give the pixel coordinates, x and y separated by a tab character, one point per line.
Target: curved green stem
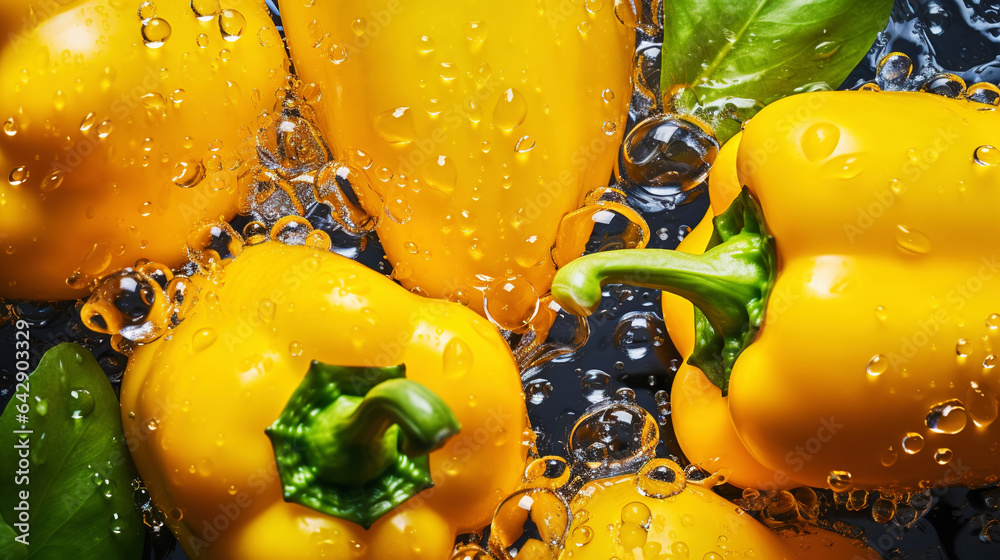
424	422
353	442
728	284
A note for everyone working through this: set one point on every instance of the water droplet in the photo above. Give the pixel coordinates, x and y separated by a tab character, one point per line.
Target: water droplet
104	129
511	303
116	524
510	111
894	69
990	361
636	513
213	242
628	12
638	332
948	417
963	348
609	128
10	127
81	403
608	96
231	24
425	44
457	358
18	175
912	240
187	174
948	85
52	181
475	32
155	32
319	239
913	443
441	174
201	40
666	155
396	126
177	97
534	520
291	230
881	313
883	510
549	472
660	479
614	436
295	348
110	487
937	18
993	321
203	339
981	404
146	10
986	155
839	481
983	92
538	390
943	456
525	144
153	424
205	10
820	140
582	535
877	365
88	122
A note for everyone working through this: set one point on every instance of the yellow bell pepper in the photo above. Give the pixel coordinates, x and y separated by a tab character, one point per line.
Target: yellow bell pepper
486	122
200	404
699	412
872	367
657	515
120	129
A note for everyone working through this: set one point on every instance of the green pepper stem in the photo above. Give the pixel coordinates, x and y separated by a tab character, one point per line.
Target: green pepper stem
715	282
424	420
728	284
355	439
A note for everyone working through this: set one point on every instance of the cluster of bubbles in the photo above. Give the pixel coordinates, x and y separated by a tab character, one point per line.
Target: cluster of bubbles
296	173
298	176
895	73
976	404
139	304
156	30
548	513
664	159
548	517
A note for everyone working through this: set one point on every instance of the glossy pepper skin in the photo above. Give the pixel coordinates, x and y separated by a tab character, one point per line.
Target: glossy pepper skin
872	366
494	120
656	514
699	412
197	402
98	129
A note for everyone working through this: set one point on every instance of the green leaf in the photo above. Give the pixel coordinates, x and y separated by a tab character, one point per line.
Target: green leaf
79	473
738	55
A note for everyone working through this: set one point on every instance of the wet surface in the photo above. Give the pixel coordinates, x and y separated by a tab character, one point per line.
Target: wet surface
628	356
